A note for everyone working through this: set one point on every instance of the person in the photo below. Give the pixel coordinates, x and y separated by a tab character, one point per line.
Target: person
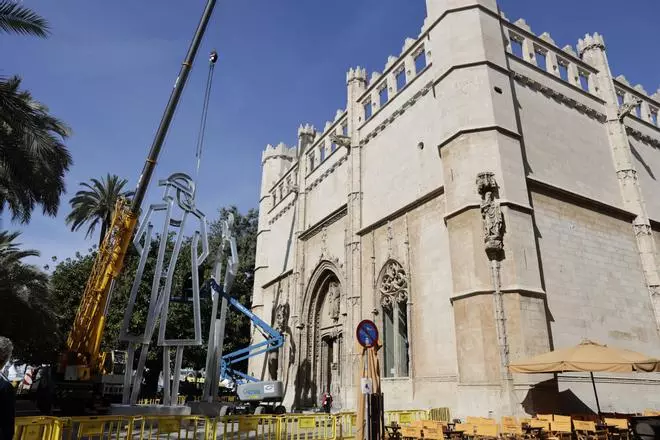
7	394
327	402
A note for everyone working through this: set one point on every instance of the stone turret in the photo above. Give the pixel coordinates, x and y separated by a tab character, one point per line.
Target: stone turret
357	74
275	161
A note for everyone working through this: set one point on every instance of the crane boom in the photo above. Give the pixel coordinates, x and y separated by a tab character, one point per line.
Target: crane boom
83	358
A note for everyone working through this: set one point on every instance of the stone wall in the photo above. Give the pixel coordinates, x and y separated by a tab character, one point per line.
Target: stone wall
394	180
595	290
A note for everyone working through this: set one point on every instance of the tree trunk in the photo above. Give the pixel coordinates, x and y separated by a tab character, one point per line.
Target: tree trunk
104	228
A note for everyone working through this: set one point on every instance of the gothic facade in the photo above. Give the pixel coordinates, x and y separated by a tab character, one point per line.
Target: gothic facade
488	196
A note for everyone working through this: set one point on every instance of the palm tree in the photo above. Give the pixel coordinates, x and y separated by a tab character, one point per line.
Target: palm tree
10	252
15	18
33	158
25	291
96	203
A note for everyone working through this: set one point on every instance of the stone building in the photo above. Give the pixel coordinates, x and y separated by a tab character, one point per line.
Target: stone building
487	197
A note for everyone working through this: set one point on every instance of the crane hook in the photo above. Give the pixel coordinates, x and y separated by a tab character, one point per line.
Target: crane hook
213	57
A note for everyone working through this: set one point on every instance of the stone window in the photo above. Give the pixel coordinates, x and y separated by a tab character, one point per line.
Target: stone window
584	80
541	58
321	152
367	110
638	110
274	194
311	161
420	61
344	129
654	117
563	69
288	183
400	77
382	94
619	97
516	45
393	289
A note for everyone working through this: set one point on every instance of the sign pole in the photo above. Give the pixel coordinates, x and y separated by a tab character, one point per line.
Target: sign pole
368	399
367	336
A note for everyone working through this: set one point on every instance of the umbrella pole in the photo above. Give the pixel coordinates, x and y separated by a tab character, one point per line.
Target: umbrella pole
593	383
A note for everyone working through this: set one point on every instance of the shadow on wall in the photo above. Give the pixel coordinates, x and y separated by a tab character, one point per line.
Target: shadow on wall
640	159
545	398
305	389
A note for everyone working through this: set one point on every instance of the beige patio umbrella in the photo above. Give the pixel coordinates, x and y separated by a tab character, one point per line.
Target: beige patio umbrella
588	356
371	371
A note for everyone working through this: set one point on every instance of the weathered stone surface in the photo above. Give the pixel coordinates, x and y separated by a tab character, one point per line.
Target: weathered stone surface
571	180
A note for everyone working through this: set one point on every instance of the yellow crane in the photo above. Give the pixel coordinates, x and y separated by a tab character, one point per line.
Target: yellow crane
78	382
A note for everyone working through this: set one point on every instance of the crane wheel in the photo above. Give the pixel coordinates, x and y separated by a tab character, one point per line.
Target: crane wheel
280	409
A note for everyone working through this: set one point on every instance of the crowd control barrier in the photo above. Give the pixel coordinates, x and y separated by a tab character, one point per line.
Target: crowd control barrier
38	428
253	427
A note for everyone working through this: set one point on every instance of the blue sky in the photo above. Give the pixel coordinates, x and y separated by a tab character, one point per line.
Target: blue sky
109	67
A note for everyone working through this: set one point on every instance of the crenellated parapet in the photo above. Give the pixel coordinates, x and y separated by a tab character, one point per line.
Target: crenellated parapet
590	42
357	74
280	151
542	51
398	72
637	102
306	133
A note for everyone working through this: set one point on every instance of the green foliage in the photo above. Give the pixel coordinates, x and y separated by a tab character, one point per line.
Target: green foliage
69	278
16	18
33	158
95	203
24	294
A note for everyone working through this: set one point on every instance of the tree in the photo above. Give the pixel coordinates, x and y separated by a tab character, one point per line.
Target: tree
24	291
16	18
96	203
33	158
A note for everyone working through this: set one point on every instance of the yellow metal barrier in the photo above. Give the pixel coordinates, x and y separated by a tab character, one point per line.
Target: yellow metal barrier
308	427
37	428
440	414
96	428
252	427
405	418
172	427
346	425
149	401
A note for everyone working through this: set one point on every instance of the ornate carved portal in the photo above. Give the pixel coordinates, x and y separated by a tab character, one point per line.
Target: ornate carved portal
319	370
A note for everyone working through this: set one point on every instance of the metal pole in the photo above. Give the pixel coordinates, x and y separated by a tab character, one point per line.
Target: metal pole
168	114
593	383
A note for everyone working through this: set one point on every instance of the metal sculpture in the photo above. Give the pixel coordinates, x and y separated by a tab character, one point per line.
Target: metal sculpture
179	193
217	327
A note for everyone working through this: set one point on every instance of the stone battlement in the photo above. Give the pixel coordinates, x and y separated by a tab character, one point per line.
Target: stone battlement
281	151
570	59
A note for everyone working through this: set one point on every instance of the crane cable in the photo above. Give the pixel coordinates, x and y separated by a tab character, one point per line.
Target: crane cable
213	57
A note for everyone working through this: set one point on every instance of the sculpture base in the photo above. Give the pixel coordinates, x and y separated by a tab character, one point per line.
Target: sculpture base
148	410
208	409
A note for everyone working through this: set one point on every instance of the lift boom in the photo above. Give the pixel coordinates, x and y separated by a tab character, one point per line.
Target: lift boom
274	340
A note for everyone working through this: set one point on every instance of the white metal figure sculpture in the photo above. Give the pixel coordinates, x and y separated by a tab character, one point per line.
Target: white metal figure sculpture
179	193
217	326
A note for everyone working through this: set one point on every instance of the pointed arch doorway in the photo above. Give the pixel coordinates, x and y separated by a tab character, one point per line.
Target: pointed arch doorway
323	335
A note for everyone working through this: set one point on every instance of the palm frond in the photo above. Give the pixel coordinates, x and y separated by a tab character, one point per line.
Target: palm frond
15	18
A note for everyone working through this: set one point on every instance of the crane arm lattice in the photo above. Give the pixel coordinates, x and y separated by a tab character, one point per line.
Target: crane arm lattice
84	341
